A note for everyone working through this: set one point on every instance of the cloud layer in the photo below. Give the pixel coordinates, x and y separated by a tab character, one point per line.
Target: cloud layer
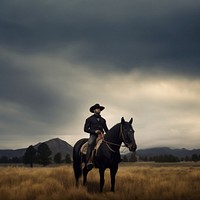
125	35
138	58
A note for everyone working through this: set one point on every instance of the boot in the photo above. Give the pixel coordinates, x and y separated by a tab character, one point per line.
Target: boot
88	158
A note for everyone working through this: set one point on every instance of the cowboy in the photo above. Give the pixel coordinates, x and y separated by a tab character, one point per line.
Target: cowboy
94	125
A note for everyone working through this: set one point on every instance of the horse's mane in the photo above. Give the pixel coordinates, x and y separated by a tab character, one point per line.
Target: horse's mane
114	128
113	131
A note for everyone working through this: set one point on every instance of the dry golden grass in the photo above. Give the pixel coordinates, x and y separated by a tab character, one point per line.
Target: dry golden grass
133	181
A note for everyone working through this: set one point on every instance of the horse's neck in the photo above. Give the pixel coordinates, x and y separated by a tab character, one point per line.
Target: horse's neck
114	135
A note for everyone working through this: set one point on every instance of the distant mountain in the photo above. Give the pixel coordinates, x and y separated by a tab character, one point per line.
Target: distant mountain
56	145
180	153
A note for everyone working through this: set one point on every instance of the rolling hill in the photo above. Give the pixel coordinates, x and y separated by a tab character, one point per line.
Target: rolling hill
56	145
180	153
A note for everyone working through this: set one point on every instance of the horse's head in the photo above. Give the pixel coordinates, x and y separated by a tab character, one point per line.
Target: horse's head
127	133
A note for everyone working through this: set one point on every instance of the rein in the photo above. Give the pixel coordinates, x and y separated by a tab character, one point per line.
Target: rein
110	147
119	145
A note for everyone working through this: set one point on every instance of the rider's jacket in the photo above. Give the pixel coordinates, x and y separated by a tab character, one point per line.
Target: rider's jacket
95	122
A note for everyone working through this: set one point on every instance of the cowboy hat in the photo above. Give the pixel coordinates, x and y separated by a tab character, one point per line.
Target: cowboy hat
92	108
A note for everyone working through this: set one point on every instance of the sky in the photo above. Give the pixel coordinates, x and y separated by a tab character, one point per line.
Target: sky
138	58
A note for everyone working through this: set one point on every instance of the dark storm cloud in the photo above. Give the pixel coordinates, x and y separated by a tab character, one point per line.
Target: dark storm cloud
26	89
126	35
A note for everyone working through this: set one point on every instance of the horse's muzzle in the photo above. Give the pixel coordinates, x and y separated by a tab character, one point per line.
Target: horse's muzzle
132	148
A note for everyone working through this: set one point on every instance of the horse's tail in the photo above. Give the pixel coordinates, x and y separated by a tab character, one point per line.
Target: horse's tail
77	159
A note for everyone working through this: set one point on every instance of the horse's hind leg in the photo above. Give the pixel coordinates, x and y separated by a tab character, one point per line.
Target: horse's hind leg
85	172
77	182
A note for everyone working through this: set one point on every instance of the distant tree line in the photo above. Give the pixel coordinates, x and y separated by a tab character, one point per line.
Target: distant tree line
170	158
131	158
5	159
42	155
159	158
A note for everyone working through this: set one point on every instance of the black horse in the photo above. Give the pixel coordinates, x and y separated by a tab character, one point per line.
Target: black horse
108	155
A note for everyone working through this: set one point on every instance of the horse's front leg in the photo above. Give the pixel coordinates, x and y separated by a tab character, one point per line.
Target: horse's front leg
113	171
101	172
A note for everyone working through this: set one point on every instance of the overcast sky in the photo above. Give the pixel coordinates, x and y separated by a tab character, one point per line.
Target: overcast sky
138	58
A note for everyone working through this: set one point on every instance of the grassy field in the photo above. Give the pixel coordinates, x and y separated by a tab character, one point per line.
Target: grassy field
134	181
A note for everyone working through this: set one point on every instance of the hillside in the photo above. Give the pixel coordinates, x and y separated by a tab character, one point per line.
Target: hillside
56	145
180	153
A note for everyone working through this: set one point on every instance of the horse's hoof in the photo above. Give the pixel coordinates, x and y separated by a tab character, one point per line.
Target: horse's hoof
90	166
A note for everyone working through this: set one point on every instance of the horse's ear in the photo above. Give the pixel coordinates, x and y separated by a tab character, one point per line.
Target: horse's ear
122	120
131	121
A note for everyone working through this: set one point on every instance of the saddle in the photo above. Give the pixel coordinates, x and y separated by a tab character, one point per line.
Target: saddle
98	143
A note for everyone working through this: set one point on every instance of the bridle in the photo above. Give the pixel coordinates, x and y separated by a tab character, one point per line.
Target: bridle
123	138
121	134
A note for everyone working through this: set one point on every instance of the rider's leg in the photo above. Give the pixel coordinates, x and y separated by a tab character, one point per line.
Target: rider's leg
91	145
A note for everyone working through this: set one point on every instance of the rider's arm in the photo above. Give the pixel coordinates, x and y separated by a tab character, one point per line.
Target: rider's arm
105	126
87	127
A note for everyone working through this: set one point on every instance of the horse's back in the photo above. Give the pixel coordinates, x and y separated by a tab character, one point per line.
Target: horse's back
80	142
78	145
